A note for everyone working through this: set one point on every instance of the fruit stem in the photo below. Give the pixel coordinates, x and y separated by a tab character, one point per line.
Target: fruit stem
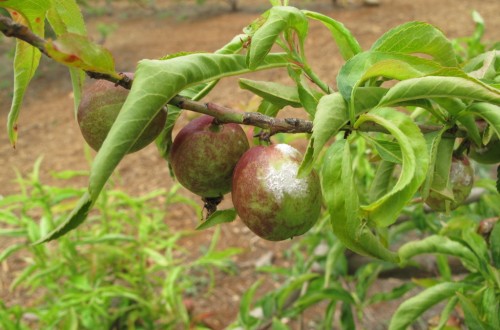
215	126
210	204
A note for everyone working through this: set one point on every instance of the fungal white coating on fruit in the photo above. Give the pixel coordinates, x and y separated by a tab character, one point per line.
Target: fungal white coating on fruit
283	180
459	174
287	150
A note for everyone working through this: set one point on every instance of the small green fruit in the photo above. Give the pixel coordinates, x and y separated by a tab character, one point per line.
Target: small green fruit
101	102
488	154
204	154
461	180
269	197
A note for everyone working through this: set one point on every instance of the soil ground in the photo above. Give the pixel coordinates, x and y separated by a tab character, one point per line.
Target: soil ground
47	127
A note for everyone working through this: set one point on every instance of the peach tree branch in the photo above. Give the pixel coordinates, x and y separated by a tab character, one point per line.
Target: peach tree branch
223	114
16	30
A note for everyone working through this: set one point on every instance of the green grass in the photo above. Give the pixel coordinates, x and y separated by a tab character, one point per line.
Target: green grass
124	269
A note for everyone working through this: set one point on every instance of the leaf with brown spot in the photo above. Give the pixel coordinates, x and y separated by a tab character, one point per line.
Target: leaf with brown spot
27	57
75	50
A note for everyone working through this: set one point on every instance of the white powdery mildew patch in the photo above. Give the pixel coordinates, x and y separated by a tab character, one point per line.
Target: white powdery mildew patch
284	181
287	150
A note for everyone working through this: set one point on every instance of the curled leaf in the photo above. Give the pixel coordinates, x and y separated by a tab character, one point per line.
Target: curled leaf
342	200
279	20
415	161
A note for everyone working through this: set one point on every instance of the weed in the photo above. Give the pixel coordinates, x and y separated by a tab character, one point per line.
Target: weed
126	269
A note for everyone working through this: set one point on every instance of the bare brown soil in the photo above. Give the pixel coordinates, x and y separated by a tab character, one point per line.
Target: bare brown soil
47	127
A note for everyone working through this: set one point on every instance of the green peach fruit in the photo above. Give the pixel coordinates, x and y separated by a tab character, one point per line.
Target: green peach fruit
461	180
488	154
101	102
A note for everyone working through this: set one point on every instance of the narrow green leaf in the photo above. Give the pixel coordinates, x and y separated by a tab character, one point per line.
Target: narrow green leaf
246	303
279	20
395	293
276	93
309	98
157	257
21	278
348	45
122	291
418	38
412	308
234	46
468	120
490	113
293	286
65	16
75	50
66	175
443	267
107	238
382	181
218	217
387	150
385	210
12	232
74	219
400	67
26	62
331	294
339	191
269	109
439	86
372	64
441	168
458	111
347	317
491	307
477	244
367	98
483	65
495	243
10	250
433	140
32	14
446	312
437	244
366	275
472	318
335	262
331	116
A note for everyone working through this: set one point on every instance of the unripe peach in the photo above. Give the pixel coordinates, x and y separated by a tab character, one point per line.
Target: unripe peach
204	154
101	102
488	154
461	181
269	197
